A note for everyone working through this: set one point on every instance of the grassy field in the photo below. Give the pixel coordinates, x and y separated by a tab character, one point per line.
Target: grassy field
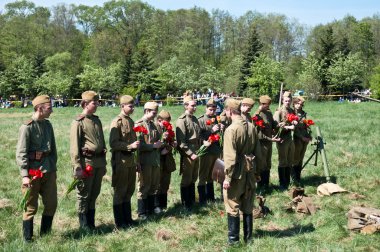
352	136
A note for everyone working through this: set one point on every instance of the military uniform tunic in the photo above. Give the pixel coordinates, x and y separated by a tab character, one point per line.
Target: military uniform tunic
213	151
240	139
299	145
188	138
87	147
286	147
36	138
265	137
149	177
123	159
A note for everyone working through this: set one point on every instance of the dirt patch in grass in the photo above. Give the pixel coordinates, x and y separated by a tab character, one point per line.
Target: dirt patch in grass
164	235
4	203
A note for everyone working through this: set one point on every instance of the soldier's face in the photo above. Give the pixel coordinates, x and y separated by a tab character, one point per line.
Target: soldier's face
245	108
150	114
210	111
92	106
191	107
46	110
264	106
298	105
286	101
128	108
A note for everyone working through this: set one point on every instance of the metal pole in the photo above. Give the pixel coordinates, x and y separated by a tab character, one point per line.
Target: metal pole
323	154
279	102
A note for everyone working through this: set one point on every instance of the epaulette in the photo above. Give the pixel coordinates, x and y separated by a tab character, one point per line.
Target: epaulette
80	117
201	116
139	121
182	116
29	122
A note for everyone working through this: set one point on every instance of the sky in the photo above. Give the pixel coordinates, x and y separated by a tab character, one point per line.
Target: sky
308	12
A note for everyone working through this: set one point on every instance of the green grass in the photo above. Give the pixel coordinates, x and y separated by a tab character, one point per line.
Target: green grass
352	138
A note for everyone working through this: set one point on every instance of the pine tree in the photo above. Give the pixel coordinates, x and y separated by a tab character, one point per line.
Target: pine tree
253	51
127	65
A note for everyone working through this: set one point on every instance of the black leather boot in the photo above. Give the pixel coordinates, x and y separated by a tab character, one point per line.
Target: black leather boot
90	218
27	230
46	223
127	214
118	216
282	179
287	176
210	192
142	205
191	194
233	229
82	220
247	227
184	193
163	198
202	195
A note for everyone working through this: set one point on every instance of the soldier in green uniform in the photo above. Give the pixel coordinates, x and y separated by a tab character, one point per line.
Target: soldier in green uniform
88	149
267	137
123	143
246	107
208	125
242	160
188	137
302	138
286	146
167	162
149	158
36	150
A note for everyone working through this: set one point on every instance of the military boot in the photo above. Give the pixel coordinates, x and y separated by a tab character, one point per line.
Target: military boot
247	227
163	199
202	195
233	229
287	176
282	179
90	218
27	230
210	192
46	223
118	216
127	214
82	220
192	194
142	205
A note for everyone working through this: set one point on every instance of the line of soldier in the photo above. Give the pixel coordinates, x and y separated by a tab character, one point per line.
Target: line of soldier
246	153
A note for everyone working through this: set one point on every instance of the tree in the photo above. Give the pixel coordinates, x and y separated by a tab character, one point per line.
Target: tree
346	73
253	51
268	74
310	77
18	78
375	82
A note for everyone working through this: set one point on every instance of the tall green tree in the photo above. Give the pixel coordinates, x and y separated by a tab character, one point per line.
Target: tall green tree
249	57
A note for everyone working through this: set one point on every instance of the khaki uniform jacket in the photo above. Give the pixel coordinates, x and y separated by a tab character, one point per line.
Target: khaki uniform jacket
247	117
206	131
188	134
87	133
148	154
36	136
301	130
240	139
121	137
281	116
270	125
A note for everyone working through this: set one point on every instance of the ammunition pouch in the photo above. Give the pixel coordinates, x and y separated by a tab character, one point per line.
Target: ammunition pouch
250	163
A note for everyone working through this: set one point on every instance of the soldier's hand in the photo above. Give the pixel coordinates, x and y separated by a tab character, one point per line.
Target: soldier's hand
157	144
135	145
215	128
291	127
276	139
193	157
174	144
78	174
221	125
26	181
281	124
226	185
258	178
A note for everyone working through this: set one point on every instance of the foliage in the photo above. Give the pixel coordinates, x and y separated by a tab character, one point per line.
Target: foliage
375	82
346	73
310	77
266	78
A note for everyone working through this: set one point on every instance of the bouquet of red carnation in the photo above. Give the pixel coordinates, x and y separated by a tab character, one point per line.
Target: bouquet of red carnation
211	139
141	130
33	174
308	122
258	121
87	172
171	135
290	119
